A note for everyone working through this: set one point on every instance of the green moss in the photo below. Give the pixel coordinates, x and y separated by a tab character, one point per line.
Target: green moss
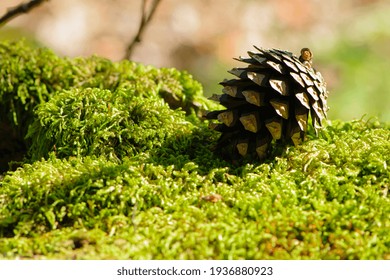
32	76
326	199
114	173
99	122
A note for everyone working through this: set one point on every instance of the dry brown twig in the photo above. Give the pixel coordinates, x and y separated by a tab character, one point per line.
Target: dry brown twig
146	17
20	9
145	20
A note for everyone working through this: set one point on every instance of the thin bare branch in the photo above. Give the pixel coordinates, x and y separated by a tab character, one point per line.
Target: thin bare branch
20	9
145	20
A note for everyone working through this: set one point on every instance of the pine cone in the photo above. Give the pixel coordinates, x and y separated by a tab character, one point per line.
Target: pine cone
270	101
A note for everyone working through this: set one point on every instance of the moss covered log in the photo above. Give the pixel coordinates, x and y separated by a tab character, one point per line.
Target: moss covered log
112	168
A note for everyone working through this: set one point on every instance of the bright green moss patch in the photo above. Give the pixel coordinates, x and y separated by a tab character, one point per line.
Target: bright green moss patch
327	199
113	172
30	77
100	122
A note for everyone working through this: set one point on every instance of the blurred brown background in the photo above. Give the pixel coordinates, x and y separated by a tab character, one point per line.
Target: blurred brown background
350	39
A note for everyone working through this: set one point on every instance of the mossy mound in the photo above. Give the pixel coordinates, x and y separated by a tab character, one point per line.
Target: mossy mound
34	76
113	172
100	122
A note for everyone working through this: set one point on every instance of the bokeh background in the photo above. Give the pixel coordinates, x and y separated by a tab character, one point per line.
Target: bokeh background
350	39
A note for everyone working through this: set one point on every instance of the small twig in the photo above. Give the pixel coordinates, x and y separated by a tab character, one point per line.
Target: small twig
20	9
145	19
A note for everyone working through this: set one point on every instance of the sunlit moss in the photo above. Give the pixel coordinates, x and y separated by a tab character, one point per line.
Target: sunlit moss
124	91
326	199
100	122
114	173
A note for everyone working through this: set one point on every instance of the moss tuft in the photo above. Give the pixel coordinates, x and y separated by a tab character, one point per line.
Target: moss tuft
100	122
